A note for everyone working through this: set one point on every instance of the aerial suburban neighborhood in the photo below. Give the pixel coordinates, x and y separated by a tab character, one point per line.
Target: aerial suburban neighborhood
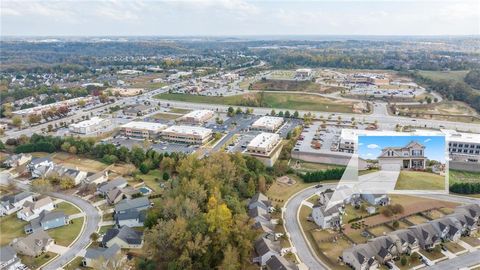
245	135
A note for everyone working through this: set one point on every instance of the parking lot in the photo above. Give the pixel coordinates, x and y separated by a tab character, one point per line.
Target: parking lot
159	145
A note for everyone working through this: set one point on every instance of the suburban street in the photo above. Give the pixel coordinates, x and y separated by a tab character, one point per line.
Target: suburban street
466	260
292	225
92	219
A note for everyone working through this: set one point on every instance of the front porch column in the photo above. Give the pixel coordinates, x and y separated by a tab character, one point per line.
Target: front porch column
411	164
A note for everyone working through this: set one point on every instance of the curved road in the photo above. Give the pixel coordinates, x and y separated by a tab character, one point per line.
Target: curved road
292	223
92	219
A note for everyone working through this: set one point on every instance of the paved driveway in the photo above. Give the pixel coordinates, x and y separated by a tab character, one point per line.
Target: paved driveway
292	225
92	219
378	182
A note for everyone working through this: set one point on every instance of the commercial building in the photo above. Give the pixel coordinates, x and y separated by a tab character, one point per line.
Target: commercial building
303	73
197	116
90	126
138	110
144	130
64	103
372	79
187	134
267	123
266	147
464	150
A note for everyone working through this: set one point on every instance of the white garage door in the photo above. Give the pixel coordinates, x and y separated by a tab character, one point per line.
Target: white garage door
390	165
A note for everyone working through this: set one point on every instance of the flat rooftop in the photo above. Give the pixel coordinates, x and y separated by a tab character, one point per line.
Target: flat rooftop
189	130
453	135
150	126
264	140
198	114
352	134
88	123
268	122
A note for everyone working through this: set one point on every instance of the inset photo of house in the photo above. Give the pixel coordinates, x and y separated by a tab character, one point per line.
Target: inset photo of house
404	162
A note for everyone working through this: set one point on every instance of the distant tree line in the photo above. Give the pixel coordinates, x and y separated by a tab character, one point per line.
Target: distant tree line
473	78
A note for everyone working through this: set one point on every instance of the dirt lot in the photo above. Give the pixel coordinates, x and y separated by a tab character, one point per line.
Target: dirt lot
290	85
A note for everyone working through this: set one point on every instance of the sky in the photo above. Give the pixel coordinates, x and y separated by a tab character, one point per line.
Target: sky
369	147
238	17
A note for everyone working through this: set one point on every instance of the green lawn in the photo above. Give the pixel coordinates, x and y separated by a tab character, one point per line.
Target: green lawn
65	235
363	172
310	166
412	180
463	176
457	75
453	247
67	208
165	116
75	264
380	230
10	228
153	179
432	255
36	262
104	229
179	110
274	100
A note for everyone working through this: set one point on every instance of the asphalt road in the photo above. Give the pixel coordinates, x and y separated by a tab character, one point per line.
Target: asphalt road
292	225
92	219
462	261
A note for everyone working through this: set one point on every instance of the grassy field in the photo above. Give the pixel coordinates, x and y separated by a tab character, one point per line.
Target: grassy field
74	161
67	208
165	116
179	110
457	75
65	235
380	230
273	100
303	166
10	228
36	262
463	176
417	219
412	180
446	110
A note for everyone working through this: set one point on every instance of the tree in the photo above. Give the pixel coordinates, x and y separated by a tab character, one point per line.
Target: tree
144	168
280	114
287	114
296	114
230	111
273	113
41	185
238	111
66	183
230	259
403	260
395	224
17	121
165	176
218	217
94	237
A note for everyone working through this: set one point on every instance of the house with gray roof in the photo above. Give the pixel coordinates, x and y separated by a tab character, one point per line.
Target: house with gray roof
327	218
468	224
260	200
360	257
9	259
31	210
39	167
405	240
277	262
105	187
264	250
428	237
17	160
448	228
259	214
34	244
12	203
472	210
376	199
131	218
100	257
139	204
125	237
97	178
384	247
47	220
